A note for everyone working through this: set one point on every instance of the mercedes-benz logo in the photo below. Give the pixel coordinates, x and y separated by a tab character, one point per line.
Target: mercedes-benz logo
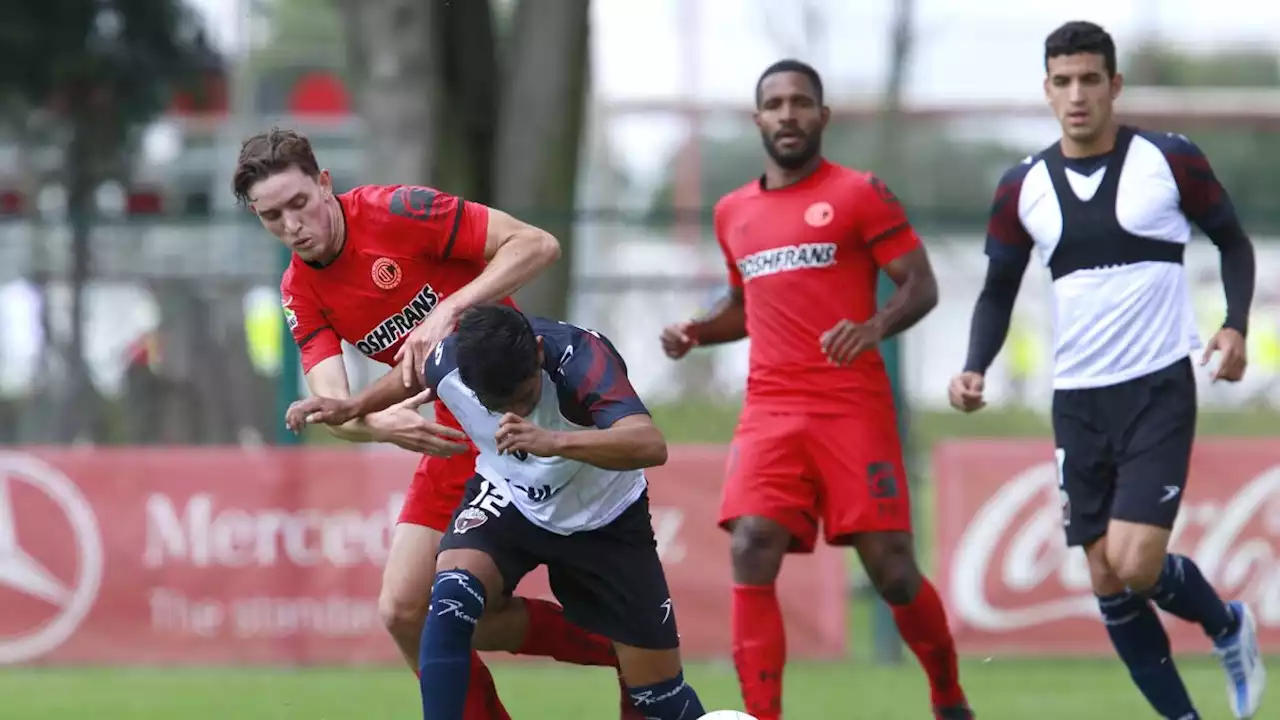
22	573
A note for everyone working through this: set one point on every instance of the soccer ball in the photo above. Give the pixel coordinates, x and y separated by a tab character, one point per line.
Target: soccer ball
726	715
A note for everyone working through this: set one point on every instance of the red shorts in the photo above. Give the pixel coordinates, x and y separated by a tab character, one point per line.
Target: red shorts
437	489
438	484
843	470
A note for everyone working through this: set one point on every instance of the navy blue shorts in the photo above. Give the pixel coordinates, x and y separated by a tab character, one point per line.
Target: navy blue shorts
1124	451
609	580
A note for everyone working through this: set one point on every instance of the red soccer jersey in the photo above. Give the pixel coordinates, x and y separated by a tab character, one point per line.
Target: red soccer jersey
806	256
407	248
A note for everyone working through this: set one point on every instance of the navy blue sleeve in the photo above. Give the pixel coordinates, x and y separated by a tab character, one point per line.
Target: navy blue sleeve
1007	238
1009	251
1202	198
440	362
1206	203
592	372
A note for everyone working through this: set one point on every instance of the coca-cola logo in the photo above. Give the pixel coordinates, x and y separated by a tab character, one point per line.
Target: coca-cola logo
1011	569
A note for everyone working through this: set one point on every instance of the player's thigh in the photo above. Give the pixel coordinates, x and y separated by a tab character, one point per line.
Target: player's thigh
862	480
408	574
767	476
1155	458
1086	463
611	582
487	537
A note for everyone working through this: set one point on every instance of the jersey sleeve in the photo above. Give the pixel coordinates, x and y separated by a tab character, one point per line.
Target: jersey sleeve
731	266
882	222
1202	198
438	225
316	339
597	376
439	363
1007	238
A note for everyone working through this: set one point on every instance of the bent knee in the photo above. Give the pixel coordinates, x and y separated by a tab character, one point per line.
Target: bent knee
1126	561
403	609
758	546
896	578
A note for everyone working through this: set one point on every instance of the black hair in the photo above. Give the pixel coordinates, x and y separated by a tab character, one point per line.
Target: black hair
496	350
1081	37
790	65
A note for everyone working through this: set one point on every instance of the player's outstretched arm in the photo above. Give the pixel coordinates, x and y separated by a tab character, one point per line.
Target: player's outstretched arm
724	323
328	379
516	253
631	443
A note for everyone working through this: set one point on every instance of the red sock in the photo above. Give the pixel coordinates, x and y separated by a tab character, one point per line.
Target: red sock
922	623
482	694
551	635
759	649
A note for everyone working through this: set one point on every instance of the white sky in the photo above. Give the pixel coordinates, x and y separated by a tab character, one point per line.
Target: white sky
967	50
988	48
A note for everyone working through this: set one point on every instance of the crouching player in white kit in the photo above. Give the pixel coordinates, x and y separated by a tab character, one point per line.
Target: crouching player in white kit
563	441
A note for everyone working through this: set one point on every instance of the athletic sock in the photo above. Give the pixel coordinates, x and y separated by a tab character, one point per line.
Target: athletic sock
445	656
1143	645
551	635
672	699
482	694
759	649
1182	591
922	623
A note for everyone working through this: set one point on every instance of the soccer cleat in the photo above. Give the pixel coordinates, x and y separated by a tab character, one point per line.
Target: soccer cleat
955	712
1240	658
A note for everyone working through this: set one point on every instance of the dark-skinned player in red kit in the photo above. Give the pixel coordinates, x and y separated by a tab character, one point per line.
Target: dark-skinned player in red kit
817	443
389	269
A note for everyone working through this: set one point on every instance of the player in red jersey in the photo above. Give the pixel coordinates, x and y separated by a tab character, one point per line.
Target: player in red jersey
389	270
817	442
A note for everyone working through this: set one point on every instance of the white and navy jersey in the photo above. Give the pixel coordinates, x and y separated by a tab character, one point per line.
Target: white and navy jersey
1112	230
584	386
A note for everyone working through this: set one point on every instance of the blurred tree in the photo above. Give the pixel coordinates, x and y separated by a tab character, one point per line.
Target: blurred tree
1246	160
100	71
483	101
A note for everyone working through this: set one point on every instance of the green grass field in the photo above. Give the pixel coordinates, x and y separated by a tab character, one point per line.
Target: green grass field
1000	688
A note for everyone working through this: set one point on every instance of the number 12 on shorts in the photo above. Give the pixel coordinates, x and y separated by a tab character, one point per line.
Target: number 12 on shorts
1060	455
490	499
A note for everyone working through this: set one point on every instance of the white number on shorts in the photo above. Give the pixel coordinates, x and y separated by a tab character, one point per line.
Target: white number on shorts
490	499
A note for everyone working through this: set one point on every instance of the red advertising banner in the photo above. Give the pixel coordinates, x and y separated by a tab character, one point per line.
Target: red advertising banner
201	556
1012	586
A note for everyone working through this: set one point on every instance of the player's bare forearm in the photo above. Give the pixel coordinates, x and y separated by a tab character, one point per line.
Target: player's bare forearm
328	378
383	393
632	443
516	253
724	323
916	296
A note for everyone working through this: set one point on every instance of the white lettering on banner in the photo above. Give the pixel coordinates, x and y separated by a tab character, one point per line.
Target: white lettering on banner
264	537
995	552
256	616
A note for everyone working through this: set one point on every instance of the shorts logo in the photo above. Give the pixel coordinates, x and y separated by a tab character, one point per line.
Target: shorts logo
882	481
386	273
819	214
469	519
